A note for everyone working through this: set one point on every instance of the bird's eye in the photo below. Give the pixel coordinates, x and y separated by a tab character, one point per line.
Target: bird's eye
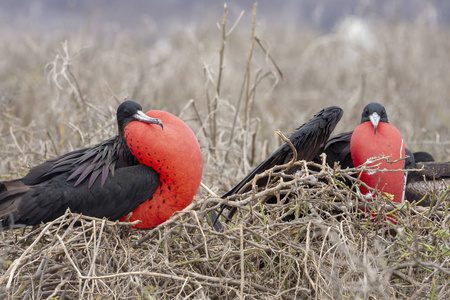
366	111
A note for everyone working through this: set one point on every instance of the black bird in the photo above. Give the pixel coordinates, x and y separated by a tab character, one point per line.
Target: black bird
337	150
432	180
422	156
419	184
105	180
307	140
311	140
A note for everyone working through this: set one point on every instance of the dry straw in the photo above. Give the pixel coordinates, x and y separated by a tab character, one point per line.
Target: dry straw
328	249
304	236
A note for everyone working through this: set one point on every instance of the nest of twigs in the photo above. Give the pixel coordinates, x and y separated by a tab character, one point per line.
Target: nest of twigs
304	236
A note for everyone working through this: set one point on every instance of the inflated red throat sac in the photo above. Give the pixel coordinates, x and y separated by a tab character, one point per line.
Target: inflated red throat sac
375	138
173	151
387	142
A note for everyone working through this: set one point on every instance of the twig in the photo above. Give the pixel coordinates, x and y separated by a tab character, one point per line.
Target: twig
173	219
249	60
241	234
15	141
270	57
294	151
219	77
203	233
208	190
12	269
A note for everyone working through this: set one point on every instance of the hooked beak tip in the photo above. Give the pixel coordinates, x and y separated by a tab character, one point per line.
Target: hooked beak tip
140	116
374	119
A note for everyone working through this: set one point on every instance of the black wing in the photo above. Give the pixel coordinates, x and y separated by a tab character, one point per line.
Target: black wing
337	150
307	140
115	198
93	181
432	170
433	179
81	164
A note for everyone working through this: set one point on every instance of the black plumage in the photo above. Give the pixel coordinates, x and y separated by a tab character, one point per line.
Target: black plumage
337	150
307	140
312	139
105	180
431	181
419	184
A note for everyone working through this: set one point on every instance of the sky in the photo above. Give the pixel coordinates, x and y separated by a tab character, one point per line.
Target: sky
161	17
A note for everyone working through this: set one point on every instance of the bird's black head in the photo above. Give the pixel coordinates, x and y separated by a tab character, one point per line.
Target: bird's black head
422	156
410	162
130	111
375	113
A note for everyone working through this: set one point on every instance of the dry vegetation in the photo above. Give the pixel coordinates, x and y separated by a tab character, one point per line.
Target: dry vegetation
244	82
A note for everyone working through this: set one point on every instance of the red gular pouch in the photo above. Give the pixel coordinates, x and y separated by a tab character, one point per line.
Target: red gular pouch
366	145
172	151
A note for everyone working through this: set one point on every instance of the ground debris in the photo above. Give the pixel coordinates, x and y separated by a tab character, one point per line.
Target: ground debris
312	241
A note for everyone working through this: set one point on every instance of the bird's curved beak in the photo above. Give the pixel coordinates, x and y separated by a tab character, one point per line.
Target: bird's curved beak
140	116
374	119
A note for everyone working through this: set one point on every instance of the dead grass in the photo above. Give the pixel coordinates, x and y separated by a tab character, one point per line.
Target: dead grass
331	250
234	86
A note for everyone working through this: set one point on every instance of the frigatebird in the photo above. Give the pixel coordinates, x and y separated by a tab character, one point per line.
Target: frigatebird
307	140
431	180
419	184
114	177
374	136
337	148
176	156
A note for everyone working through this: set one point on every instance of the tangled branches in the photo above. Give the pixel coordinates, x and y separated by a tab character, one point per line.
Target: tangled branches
304	236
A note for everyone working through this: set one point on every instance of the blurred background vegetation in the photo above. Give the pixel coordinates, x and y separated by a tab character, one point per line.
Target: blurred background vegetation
235	75
66	65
